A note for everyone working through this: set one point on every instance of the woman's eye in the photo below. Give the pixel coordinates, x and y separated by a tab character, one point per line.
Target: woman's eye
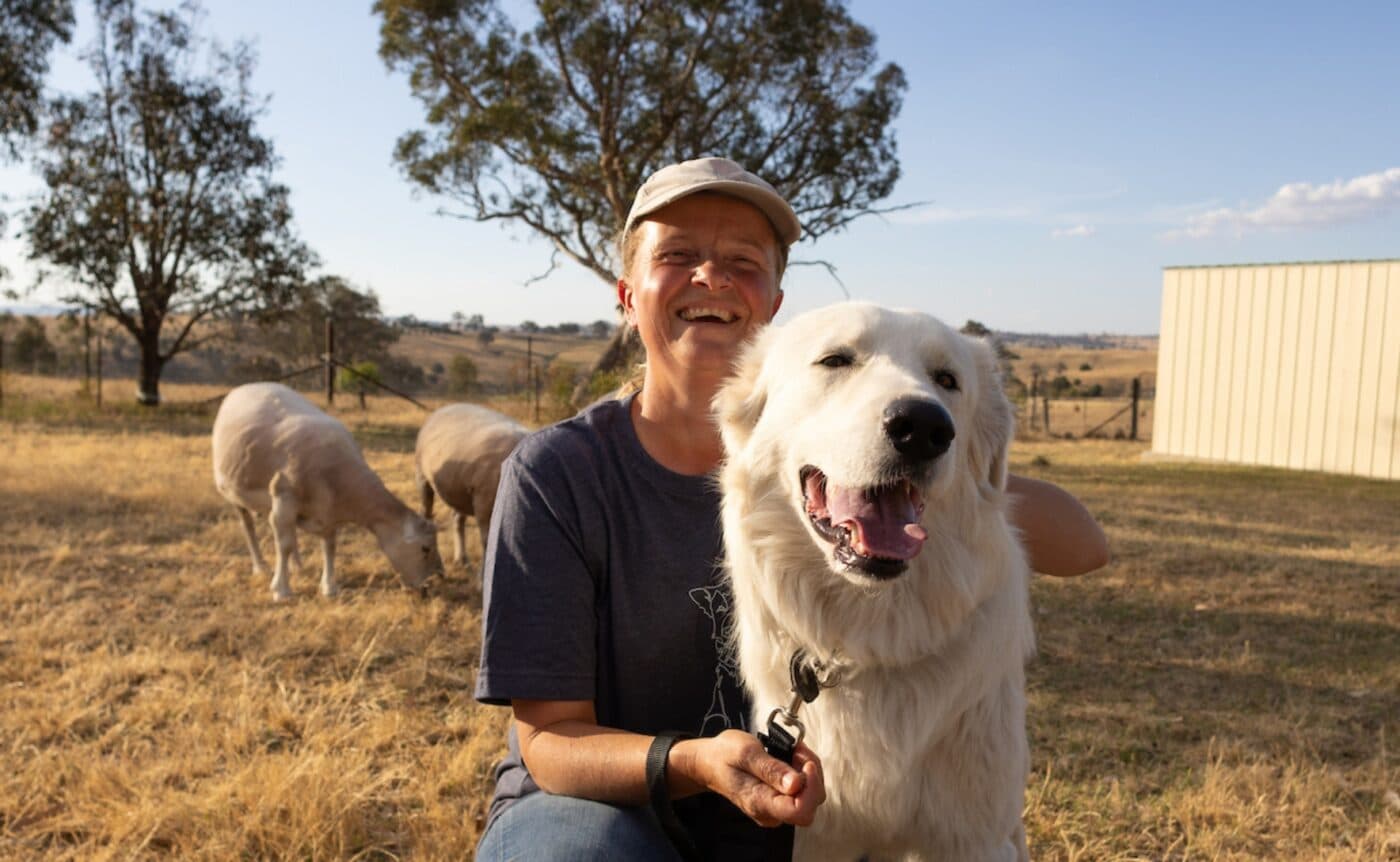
946	380
835	360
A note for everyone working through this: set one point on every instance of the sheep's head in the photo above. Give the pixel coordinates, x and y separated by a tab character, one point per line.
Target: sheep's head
413	551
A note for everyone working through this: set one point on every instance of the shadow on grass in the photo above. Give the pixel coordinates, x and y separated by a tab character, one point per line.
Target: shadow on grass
1138	682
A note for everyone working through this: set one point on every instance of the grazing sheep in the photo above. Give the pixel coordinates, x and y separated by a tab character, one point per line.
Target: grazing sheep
458	457
276	452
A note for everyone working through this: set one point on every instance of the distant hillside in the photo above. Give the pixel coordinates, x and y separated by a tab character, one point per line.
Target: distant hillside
1080	342
425	351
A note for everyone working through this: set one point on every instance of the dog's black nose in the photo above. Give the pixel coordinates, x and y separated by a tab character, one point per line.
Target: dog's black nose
920	430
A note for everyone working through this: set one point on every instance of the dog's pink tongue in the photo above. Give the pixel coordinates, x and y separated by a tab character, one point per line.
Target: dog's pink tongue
883	524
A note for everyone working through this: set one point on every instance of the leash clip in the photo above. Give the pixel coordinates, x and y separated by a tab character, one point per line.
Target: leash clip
808	677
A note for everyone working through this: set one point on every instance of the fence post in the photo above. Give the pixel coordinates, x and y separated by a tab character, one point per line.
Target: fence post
99	365
330	362
87	350
532	389
1137	392
536	375
1046	405
1030	402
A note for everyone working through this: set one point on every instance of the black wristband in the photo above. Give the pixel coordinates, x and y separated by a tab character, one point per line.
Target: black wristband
660	794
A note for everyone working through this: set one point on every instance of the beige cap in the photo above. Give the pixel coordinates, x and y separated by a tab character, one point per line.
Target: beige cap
674	182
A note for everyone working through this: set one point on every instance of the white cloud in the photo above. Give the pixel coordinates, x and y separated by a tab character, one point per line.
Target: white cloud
1303	205
1077	230
945	215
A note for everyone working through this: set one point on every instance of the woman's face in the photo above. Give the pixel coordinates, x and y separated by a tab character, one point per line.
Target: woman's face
703	277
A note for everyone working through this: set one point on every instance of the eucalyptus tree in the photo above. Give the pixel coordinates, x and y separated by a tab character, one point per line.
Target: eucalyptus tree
160	209
553	122
29	30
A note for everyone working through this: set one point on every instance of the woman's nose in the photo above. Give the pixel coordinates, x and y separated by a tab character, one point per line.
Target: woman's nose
712	273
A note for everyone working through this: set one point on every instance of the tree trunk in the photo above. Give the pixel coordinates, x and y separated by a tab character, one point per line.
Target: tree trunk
152	363
624	351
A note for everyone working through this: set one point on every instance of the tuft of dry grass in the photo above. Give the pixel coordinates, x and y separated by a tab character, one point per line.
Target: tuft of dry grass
1228	689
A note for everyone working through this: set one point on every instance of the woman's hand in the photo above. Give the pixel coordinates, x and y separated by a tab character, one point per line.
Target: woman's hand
735	766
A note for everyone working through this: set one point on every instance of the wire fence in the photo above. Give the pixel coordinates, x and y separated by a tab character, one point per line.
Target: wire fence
1101	418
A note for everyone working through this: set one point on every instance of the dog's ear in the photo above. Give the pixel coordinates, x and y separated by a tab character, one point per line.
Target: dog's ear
740	401
995	420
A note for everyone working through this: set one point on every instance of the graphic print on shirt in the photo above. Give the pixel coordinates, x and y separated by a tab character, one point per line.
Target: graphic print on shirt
715	603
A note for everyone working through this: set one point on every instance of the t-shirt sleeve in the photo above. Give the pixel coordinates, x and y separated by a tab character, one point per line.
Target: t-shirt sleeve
539	620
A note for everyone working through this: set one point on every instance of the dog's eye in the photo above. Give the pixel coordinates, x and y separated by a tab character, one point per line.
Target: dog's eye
836	360
945	379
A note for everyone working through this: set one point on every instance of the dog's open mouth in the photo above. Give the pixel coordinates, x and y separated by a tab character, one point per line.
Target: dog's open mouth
876	530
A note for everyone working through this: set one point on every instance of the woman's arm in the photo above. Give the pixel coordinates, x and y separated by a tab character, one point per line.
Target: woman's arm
1060	536
568	753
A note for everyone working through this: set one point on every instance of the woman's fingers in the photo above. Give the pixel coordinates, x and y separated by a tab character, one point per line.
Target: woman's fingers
766	789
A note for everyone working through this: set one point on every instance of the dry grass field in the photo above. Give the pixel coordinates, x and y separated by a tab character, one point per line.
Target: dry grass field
1110	366
1228	689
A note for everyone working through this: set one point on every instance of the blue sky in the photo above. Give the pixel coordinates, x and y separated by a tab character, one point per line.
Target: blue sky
1062	154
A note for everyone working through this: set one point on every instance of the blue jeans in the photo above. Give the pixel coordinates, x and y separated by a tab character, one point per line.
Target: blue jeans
544	827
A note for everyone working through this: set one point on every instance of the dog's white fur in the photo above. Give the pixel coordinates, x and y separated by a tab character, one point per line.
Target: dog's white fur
923	742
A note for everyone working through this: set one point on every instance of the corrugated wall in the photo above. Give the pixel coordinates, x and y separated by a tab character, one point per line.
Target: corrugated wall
1288	365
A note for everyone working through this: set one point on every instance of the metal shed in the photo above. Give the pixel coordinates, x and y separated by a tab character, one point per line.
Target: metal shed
1288	365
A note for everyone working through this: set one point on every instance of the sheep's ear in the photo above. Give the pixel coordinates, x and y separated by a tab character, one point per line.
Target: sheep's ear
739	404
995	420
416	528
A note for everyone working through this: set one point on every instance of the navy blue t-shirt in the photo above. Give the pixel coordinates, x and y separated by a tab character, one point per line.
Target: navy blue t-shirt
603	583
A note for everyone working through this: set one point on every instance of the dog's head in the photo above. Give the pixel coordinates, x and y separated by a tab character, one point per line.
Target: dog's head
873	423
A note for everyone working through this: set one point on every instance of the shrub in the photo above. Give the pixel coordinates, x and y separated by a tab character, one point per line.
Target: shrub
462	375
359	378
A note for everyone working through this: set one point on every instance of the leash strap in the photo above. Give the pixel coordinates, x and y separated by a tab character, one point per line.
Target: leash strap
661	796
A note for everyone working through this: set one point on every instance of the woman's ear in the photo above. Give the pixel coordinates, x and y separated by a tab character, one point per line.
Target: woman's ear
624	301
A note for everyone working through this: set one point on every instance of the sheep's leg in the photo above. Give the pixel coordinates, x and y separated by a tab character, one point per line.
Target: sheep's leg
483	527
425	492
328	587
284	528
459	537
250	533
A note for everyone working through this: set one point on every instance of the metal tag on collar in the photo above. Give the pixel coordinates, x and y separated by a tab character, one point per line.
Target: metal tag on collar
809	676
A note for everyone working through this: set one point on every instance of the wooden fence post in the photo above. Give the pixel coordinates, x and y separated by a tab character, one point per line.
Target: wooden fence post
330	362
1137	392
1030	402
1046	405
536	375
87	351
98	365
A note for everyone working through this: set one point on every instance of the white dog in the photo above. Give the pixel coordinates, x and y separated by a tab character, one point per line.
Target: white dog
865	525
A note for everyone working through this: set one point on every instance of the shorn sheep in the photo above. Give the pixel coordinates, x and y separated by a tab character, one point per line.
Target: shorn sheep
279	454
458	458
